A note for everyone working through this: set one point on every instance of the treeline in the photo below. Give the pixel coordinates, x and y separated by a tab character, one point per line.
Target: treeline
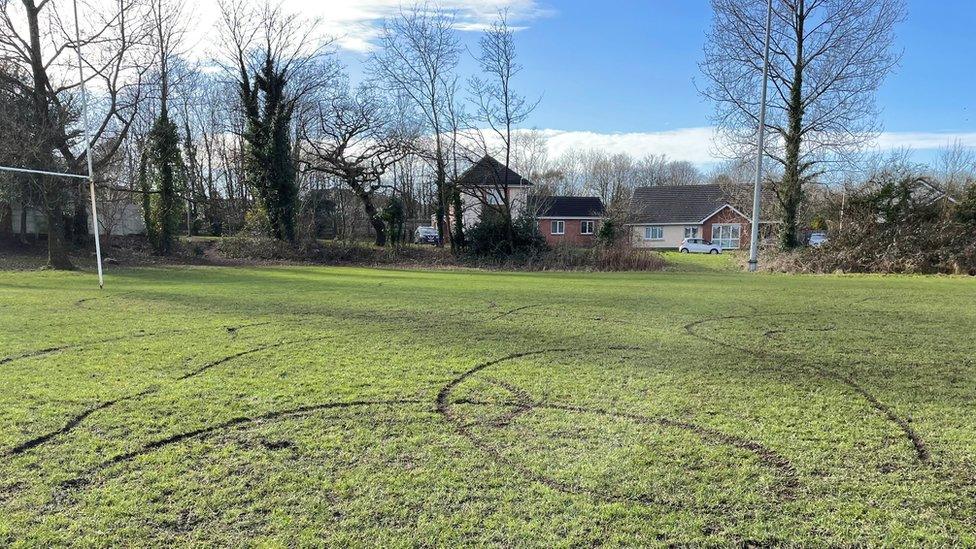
270	136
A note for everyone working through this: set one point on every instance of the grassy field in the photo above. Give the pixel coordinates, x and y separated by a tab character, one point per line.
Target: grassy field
306	406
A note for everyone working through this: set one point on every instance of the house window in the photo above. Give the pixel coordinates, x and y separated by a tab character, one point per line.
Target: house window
691	232
557	227
586	227
727	235
653	233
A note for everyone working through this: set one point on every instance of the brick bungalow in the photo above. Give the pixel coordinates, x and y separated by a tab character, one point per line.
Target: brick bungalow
573	220
662	216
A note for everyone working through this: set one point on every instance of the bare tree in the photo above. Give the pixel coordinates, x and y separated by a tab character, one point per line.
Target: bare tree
418	55
501	109
956	167
827	60
36	38
357	139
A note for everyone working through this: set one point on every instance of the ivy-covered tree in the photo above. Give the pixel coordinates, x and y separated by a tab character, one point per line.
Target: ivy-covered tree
163	183
162	173
827	61
394	217
277	62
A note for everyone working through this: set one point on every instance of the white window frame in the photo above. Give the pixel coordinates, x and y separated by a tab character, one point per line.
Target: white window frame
557	227
721	240
694	229
587	223
649	233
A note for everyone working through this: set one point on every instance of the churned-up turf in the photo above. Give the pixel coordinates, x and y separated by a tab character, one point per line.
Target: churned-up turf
318	406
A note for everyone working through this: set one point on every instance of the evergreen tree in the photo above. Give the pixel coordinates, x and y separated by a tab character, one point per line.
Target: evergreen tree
269	164
162	184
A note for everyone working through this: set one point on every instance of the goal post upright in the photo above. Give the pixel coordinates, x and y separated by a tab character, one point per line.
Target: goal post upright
88	144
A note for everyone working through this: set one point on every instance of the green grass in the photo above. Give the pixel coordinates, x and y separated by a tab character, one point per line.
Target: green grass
702	263
330	406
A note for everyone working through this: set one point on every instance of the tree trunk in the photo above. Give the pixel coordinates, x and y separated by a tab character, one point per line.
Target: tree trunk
23	222
458	235
6	218
790	193
441	199
380	228
374	216
57	253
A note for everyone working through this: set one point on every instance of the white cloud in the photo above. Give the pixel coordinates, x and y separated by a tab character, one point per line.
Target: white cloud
923	141
696	145
356	23
691	144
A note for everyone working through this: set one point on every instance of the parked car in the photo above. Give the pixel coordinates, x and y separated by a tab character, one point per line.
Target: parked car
425	235
817	239
698	246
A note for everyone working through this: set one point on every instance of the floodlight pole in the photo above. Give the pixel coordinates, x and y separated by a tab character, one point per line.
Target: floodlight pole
87	134
757	191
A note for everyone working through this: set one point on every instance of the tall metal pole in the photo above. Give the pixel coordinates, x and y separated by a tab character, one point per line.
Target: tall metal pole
757	192
91	168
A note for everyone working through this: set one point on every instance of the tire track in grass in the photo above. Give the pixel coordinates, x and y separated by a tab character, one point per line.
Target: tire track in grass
514	311
113	339
921	449
523	403
72	423
443	406
76	420
787	473
84	478
84	301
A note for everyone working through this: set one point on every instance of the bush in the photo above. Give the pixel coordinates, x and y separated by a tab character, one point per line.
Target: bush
261	248
575	258
607	235
489	239
893	227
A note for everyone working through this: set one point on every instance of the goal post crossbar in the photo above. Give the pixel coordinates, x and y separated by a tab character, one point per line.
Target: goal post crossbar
41	172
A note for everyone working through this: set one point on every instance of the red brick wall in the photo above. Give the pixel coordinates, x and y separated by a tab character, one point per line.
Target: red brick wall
728	215
572	234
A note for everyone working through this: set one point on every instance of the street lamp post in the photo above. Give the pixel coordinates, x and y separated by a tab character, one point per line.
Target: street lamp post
757	191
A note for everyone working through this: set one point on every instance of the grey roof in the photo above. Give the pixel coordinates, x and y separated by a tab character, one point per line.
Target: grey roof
489	172
676	203
568	206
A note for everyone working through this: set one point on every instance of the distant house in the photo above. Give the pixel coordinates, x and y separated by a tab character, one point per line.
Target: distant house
569	219
487	181
660	217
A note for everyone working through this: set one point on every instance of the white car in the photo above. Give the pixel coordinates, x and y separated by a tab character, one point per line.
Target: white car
698	246
817	239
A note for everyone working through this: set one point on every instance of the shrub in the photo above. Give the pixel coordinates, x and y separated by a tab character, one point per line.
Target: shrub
607	235
261	248
489	239
575	258
893	226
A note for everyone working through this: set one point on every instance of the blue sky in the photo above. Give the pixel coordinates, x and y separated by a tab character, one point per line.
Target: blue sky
619	74
630	66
